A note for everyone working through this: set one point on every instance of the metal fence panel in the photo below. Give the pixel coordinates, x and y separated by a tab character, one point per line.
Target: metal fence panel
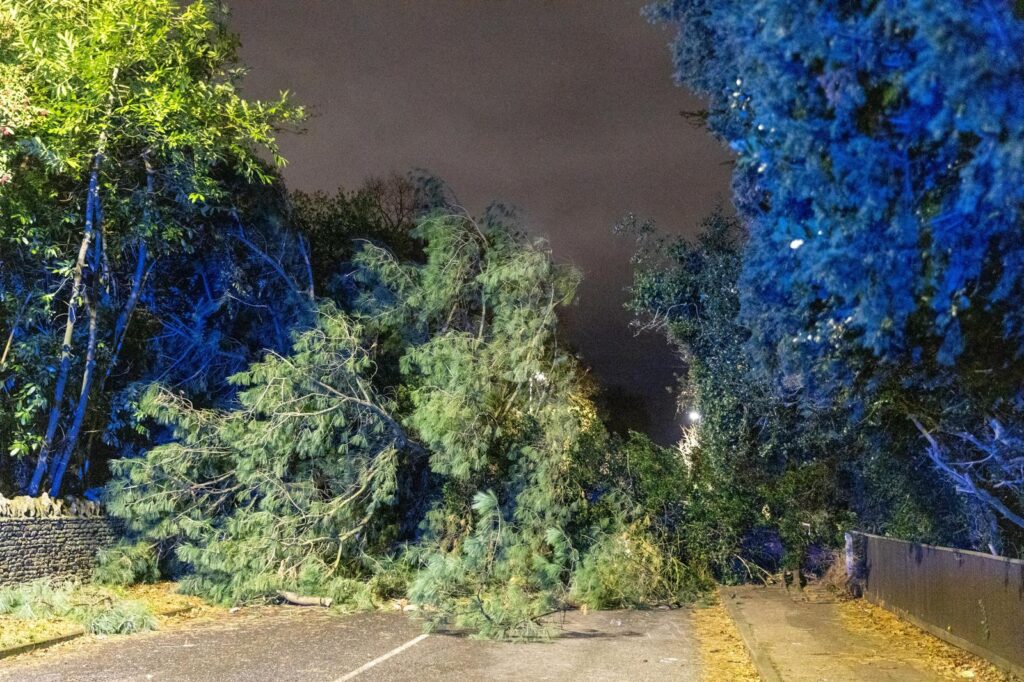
973	600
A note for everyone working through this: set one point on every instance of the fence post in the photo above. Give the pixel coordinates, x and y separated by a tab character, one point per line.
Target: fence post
854	559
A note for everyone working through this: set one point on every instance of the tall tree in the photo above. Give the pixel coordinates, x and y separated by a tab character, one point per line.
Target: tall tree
879	169
144	119
747	446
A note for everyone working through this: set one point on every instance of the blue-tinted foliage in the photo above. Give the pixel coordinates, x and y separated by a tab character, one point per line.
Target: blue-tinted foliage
880	173
880	164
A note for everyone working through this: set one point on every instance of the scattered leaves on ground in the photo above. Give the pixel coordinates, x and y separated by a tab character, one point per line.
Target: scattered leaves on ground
723	656
17	632
163	597
945	660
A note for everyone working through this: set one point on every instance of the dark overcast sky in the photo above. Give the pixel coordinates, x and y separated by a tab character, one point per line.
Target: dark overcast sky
564	108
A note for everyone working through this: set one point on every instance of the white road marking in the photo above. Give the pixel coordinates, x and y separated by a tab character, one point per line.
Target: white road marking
381	659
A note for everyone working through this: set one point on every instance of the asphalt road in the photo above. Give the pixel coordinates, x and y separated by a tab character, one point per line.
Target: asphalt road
315	645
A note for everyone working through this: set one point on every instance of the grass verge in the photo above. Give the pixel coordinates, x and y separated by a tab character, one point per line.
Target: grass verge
45	610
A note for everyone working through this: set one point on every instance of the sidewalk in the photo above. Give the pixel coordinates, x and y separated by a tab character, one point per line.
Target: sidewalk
805	641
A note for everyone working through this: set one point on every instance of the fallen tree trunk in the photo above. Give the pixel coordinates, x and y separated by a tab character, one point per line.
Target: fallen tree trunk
304	600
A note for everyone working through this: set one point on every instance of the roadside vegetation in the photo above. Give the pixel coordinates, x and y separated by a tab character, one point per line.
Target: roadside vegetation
851	332
426	435
45	609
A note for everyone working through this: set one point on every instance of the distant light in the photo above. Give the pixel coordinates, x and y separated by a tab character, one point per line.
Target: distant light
796	244
693	415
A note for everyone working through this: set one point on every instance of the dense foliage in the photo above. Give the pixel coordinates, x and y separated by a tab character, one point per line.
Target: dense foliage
250	493
771	478
364	396
357	396
427	434
97	610
879	173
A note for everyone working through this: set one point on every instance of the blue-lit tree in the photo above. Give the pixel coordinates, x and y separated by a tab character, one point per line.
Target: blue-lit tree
880	170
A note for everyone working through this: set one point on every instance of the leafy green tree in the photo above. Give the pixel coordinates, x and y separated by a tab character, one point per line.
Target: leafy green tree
16	110
383	210
143	120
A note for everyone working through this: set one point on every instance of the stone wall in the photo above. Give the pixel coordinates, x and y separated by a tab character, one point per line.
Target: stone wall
52	547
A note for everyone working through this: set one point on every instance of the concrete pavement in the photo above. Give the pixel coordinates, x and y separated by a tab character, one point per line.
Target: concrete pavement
794	640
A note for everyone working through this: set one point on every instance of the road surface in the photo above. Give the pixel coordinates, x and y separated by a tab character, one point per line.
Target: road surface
314	645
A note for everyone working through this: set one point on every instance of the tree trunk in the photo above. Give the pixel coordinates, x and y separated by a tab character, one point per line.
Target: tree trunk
64	369
120	331
7	346
303	600
90	298
92	211
14	331
121	326
57	476
304	248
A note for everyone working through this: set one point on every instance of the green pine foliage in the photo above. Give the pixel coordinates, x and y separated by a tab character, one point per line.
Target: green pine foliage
491	395
287	491
126	563
429	436
638	513
630	569
121	618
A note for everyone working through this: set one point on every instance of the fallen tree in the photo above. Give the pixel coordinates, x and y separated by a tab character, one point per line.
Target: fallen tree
430	436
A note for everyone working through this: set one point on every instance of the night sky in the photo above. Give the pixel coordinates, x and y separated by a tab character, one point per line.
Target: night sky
563	108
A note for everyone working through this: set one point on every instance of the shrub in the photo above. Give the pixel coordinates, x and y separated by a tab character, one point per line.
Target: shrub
631	569
37	599
120	618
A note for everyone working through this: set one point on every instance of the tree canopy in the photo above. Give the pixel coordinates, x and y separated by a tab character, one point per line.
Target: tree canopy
367	395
